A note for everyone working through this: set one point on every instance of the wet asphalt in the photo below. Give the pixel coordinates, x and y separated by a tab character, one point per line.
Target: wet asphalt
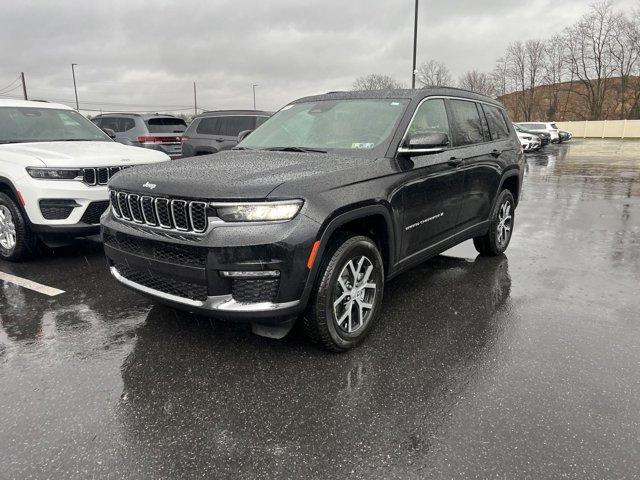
523	366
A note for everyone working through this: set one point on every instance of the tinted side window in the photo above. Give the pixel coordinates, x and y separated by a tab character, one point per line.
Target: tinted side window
209	126
431	116
111	122
127	124
497	125
232	126
260	121
97	121
465	121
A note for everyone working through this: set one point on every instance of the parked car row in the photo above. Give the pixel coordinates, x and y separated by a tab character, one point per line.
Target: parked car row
535	135
208	133
307	217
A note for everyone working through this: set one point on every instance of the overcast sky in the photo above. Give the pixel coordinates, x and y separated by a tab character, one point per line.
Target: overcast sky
145	56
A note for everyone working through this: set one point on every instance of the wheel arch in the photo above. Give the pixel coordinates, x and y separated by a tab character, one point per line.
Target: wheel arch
511	181
357	219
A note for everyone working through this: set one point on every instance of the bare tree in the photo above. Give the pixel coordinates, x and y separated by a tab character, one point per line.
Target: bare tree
500	77
554	73
434	74
589	46
535	62
479	82
625	53
517	73
376	81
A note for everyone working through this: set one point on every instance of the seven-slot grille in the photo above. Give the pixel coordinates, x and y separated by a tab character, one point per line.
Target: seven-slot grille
173	214
100	175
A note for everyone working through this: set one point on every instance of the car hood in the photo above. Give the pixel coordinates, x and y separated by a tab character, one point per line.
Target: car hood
237	174
81	154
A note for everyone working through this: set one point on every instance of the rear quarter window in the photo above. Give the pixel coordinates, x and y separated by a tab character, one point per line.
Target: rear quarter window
497	124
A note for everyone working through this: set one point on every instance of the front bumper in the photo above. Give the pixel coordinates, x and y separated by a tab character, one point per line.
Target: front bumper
185	270
81	220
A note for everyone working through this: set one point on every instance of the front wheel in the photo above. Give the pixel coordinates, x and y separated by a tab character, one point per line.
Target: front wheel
17	242
497	239
347	296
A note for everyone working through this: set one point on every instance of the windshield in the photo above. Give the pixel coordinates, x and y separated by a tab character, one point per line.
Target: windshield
31	124
359	127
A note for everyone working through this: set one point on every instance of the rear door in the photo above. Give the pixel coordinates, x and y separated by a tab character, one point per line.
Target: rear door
480	152
432	189
221	133
231	126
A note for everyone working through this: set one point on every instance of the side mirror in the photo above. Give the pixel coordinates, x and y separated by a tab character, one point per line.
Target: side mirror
243	134
109	132
423	143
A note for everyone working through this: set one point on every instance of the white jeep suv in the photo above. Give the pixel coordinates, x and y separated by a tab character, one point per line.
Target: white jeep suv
54	168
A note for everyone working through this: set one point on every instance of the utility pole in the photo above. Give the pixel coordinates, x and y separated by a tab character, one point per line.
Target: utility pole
415	45
24	86
195	100
75	89
254	94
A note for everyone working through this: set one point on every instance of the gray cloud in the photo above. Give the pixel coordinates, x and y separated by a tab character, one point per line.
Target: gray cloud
145	54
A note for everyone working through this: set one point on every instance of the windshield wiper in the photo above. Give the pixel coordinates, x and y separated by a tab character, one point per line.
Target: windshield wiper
294	149
242	148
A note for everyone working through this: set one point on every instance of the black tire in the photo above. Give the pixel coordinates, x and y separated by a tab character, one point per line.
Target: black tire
493	243
26	241
319	322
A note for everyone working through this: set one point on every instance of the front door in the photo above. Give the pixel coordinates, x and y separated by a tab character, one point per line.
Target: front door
432	189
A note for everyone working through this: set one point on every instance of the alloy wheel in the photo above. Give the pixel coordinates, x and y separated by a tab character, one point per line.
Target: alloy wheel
504	223
7	229
354	295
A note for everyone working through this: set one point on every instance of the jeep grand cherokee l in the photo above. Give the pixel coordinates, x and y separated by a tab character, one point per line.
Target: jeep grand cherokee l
317	208
54	169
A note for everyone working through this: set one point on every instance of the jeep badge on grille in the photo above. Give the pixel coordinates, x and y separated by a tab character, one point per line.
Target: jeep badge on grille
149	185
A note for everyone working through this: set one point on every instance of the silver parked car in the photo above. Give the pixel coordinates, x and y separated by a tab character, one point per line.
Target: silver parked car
211	132
155	131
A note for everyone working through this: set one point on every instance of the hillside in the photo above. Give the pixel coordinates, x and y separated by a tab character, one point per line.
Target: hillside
612	99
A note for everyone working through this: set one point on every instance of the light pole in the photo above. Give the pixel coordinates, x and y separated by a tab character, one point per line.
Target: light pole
415	45
254	94
75	89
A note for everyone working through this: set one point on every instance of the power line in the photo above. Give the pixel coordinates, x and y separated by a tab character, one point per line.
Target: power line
14	81
12	89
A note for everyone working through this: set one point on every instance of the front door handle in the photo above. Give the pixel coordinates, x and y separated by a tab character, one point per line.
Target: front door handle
454	161
496	153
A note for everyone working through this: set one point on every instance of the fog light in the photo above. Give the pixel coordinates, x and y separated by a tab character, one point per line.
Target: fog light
250	274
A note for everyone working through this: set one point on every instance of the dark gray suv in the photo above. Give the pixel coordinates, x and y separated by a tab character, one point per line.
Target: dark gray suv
212	132
154	130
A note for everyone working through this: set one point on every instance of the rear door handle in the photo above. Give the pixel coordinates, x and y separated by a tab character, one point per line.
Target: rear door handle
496	153
454	161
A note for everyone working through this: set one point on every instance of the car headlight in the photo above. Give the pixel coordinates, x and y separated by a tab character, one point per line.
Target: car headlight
53	173
259	211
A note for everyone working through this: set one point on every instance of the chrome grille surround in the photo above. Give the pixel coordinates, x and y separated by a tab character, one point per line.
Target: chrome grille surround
180	215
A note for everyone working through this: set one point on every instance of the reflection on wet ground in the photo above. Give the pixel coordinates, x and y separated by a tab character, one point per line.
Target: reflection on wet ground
523	366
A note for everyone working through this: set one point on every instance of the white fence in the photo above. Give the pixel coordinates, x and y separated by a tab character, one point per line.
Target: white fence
602	128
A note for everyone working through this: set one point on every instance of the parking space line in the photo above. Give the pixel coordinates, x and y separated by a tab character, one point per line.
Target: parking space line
31	285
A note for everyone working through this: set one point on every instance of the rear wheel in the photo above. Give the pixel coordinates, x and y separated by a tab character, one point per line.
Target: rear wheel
347	296
497	239
17	242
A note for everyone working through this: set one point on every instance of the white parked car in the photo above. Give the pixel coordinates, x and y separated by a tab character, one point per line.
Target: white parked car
549	127
54	168
529	142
